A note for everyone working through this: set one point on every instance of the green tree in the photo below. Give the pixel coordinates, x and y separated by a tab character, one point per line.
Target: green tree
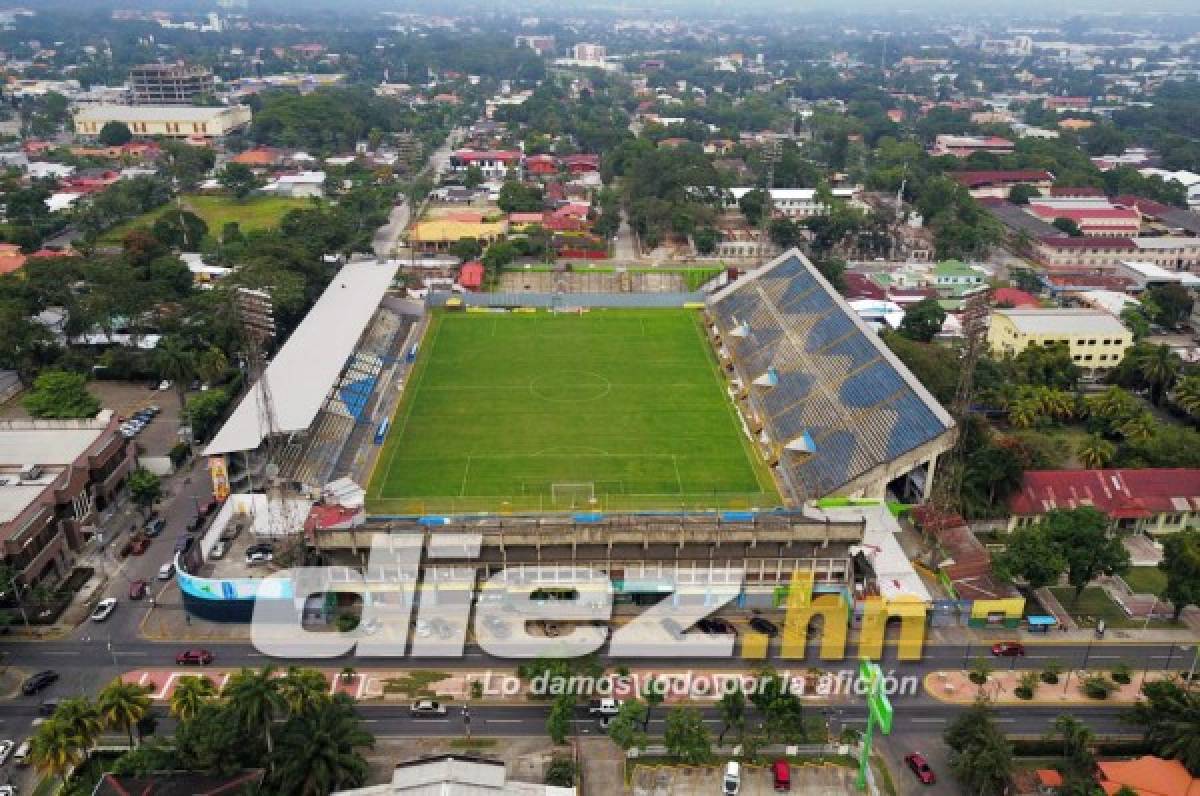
923	320
1187	394
686	738
497	256
732	707
303	690
473	177
1032	556
319	751
561	772
204	411
1158	366
1172	302
1082	536
1077	740
176	364
558	722
211	365
1068	226
519	197
1170	720
61	394
179	230
1181	564
753	204
82	719
190	695
1136	321
1021	194
625	729
145	488
466	249
653	695
239	179
980	758
186	165
256	701
706	240
214	742
122	705
114	134
1095	452
55	749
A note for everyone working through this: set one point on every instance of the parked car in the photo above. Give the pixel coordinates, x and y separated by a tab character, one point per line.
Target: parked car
427	707
731	783
164	385
218	549
6	749
8	790
166	570
603	707
21	756
195	657
916	761
781	775
155	527
764	626
184	543
39	682
48	707
1008	649
137	589
258	556
716	627
104	609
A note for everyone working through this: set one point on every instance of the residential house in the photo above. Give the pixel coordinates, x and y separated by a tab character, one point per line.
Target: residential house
1097	341
953	278
301	185
11	258
439	235
495	164
1146	776
998	184
963	146
455	774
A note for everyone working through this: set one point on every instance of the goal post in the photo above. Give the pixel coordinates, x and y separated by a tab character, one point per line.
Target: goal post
575	495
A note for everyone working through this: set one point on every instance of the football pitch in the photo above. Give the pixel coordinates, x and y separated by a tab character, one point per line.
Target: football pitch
608	410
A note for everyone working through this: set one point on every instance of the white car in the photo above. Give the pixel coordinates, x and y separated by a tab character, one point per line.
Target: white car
427	707
104	609
164	385
218	549
6	748
732	782
8	790
604	707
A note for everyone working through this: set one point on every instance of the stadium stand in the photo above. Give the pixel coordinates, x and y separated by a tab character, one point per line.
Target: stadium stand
838	413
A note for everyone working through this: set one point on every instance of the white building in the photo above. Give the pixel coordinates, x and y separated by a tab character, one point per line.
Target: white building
171	121
455	774
794	202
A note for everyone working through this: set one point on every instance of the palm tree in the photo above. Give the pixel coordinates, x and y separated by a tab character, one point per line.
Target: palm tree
123	705
211	365
55	749
256	700
176	364
303	690
1159	366
1187	394
1139	428
191	693
1023	412
1095	452
318	752
1077	742
82	719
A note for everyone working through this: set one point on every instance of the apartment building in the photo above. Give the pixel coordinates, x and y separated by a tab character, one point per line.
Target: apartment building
169	84
1172	252
794	202
1096	339
169	121
494	163
55	476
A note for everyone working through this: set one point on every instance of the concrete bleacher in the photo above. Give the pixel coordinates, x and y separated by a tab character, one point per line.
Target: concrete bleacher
834	380
313	458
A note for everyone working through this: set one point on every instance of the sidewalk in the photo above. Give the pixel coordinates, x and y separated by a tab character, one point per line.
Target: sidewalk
955	687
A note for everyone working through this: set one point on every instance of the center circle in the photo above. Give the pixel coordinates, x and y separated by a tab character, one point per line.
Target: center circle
567	386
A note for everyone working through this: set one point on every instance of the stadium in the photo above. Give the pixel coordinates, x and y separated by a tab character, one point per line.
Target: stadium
618	430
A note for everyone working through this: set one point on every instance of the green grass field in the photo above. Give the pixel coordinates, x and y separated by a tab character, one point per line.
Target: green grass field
611	410
257	212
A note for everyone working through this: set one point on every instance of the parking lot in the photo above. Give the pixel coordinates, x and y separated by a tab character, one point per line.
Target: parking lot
813	780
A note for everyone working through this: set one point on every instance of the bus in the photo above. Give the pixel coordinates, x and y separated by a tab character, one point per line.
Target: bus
382	431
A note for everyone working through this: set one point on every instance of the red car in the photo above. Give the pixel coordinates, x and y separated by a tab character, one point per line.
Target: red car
1008	649
137	589
138	546
916	761
199	657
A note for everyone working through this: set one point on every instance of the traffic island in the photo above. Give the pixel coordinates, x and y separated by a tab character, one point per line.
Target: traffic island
1030	687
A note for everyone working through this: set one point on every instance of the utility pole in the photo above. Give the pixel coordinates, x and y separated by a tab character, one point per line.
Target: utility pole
771	157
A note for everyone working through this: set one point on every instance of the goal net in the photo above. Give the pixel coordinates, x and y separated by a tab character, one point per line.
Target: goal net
573	495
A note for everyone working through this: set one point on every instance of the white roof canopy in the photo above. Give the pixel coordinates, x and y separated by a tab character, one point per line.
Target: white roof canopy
306	368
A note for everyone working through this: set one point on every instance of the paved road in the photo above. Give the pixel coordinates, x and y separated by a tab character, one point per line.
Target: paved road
387	236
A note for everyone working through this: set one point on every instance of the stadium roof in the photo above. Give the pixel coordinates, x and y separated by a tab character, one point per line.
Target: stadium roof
306	368
837	381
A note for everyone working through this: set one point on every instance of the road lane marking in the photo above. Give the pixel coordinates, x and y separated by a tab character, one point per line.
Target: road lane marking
52	652
504	721
917	721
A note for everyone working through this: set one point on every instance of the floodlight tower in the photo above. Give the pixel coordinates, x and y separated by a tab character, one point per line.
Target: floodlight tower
771	157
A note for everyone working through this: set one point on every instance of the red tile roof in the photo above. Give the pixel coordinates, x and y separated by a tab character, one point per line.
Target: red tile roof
322	517
1147	207
470	275
1085	213
975	179
1118	493
11	258
862	286
1067	190
1089	243
1015	297
1147	776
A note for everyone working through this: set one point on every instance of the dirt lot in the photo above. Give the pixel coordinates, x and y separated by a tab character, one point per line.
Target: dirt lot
824	780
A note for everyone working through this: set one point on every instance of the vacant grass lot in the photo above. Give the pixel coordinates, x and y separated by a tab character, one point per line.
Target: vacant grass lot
1095	604
254	213
612	409
1146	580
